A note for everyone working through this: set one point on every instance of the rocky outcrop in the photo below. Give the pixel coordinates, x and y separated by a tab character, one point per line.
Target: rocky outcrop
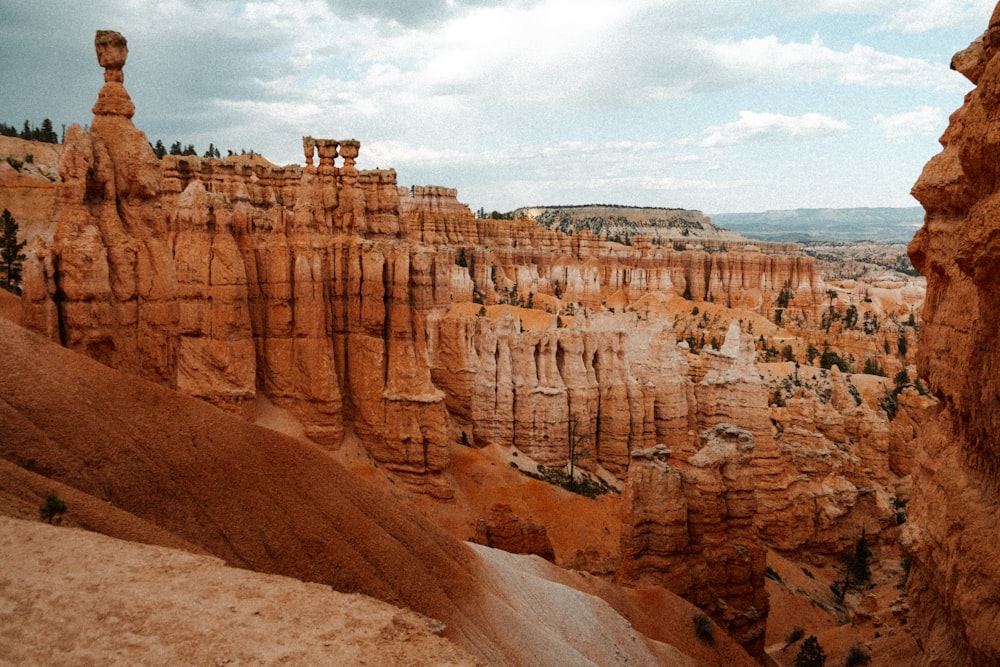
502	529
611	386
953	528
28	175
689	527
691	519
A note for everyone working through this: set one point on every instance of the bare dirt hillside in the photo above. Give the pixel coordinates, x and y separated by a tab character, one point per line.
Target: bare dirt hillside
74	597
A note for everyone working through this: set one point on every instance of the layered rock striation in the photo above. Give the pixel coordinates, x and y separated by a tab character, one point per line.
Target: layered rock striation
953	528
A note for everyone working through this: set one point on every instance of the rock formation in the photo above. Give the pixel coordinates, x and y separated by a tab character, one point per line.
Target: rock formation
396	313
953	528
329	289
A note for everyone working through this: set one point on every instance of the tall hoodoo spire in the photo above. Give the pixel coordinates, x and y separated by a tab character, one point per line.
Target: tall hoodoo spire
112	51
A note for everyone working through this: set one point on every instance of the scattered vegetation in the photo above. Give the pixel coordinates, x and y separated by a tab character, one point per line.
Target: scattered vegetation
177	148
889	402
703	628
583	485
873	367
53	509
829	359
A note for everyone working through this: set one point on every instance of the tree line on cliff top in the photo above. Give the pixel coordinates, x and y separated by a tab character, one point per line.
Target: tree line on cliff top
45	133
177	148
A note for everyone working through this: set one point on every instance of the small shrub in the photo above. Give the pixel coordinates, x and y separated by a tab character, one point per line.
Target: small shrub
829	359
811	654
771	574
856	656
889	403
905	577
586	486
795	635
703	628
17	164
53	509
873	367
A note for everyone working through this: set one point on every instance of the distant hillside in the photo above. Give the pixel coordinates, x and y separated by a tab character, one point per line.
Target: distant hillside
621	223
808	225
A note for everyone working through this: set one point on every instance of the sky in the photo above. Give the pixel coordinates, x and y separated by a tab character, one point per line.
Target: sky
715	105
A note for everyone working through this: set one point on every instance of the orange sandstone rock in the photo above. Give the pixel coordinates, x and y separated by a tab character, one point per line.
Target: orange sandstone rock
953	528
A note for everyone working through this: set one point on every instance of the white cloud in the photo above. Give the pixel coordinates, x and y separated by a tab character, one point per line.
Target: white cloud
768	59
754	126
924	122
932	14
908	16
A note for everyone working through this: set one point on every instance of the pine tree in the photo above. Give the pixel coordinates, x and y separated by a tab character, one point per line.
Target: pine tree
11	256
47	134
811	654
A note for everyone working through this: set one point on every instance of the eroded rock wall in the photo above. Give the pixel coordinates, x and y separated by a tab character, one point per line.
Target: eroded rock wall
953	528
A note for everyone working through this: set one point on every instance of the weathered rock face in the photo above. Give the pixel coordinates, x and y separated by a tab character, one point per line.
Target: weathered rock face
502	529
28	191
953	527
616	386
851	464
691	518
689	527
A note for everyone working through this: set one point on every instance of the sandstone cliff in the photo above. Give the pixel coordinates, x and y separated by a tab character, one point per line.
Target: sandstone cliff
28	176
953	530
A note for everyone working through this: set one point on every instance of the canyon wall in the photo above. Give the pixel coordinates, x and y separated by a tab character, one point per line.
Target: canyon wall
954	531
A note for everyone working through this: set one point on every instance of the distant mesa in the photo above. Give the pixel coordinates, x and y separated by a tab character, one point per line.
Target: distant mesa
812	225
